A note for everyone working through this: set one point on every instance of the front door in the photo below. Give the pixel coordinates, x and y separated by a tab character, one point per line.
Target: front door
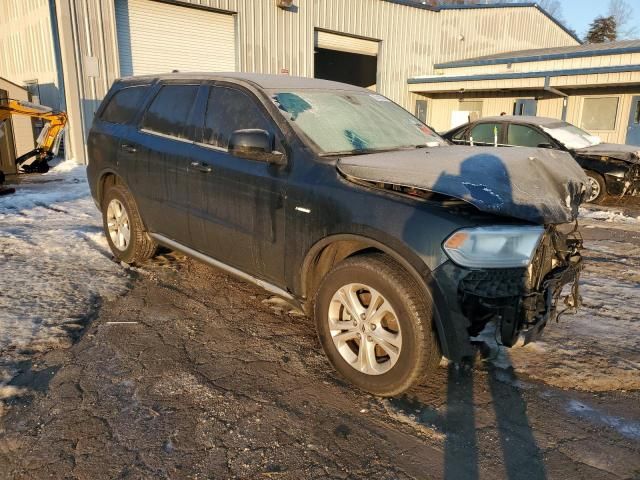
237	204
526	106
633	130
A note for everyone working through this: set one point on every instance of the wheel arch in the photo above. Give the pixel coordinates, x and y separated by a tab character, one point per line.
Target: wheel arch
329	251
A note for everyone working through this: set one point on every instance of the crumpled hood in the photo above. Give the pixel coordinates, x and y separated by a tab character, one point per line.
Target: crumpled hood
538	185
628	153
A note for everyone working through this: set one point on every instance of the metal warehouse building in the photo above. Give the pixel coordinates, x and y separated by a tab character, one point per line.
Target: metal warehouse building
596	87
379	44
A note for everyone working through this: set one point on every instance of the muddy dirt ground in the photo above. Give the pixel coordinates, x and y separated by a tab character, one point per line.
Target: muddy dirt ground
195	375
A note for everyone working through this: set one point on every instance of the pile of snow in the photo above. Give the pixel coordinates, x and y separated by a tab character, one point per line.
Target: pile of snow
55	262
607	216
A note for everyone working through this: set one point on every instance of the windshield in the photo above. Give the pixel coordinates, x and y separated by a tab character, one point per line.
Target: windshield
571	136
351	122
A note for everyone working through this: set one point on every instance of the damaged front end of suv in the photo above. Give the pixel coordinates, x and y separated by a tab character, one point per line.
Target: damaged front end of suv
519	264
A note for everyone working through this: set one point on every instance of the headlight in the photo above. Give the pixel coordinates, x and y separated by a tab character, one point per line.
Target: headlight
493	247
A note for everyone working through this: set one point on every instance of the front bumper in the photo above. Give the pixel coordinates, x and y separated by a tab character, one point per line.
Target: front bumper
521	301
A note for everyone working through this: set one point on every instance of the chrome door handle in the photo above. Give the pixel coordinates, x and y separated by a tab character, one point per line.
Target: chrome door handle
203	167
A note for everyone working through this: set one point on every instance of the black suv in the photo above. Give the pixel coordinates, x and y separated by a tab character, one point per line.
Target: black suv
338	200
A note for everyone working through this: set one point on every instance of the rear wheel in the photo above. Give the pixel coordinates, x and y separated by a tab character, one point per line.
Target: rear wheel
375	325
598	187
126	236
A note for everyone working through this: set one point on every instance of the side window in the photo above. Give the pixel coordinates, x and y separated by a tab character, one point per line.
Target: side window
485	134
523	136
228	110
460	136
124	104
170	109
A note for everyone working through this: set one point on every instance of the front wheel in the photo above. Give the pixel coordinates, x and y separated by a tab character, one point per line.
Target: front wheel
598	187
376	325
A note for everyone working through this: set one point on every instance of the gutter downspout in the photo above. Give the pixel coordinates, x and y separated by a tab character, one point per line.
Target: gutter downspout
555	91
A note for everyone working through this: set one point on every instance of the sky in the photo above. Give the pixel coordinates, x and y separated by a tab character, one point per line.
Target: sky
579	14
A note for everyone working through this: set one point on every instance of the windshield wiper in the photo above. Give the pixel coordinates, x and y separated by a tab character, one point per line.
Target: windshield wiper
365	151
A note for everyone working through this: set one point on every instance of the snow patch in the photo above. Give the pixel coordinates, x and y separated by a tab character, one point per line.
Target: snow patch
622	426
55	260
607	216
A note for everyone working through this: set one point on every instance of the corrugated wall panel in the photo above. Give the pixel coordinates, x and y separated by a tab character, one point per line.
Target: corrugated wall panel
150	41
26	47
271	40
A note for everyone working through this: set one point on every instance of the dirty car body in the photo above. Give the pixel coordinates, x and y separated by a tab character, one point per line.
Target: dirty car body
347	175
616	166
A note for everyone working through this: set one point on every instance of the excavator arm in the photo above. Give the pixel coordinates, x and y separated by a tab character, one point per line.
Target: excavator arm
48	140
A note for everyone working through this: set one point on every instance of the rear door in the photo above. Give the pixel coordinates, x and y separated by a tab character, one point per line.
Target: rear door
162	152
237	204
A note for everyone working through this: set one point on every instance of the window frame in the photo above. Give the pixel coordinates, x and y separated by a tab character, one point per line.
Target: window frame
600	97
278	135
156	91
501	133
536	129
142	106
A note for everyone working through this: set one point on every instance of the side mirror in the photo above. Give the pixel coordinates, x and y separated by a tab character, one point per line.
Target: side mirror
255	144
545	145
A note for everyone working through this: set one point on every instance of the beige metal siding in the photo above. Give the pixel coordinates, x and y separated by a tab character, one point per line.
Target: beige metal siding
344	43
26	47
273	40
152	39
22	127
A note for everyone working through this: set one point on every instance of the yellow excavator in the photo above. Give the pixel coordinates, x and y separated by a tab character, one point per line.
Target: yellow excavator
48	141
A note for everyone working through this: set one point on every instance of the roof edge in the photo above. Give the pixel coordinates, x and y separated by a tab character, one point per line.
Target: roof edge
514	75
14	84
493	5
536	58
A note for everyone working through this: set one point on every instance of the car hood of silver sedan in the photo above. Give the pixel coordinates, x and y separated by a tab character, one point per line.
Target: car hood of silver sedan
542	186
627	153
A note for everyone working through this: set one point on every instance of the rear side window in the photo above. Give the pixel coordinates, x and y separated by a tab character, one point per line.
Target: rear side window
170	109
124	104
485	133
522	136
228	110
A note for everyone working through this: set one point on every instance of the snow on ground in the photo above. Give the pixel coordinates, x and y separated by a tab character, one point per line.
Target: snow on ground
54	259
598	349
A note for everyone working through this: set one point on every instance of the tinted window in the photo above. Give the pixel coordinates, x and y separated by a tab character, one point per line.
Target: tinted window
522	136
170	109
124	104
486	133
229	110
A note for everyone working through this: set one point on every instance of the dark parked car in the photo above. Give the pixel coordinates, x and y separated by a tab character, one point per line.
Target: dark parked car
612	169
340	201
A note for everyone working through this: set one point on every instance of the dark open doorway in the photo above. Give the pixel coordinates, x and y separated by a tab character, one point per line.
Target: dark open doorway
353	68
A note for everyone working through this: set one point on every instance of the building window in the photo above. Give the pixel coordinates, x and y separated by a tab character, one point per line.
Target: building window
33	88
599	113
471	106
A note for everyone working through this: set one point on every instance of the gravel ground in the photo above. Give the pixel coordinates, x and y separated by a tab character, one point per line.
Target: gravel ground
175	370
212	379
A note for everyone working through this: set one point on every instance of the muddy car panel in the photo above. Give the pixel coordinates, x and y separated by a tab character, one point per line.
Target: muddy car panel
281	217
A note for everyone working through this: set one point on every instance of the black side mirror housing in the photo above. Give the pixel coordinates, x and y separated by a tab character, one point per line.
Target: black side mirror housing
255	144
545	145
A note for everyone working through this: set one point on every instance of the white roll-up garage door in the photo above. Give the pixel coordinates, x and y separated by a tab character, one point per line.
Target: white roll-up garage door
156	37
345	43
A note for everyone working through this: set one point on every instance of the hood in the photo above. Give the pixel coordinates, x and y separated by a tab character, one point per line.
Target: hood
628	153
537	185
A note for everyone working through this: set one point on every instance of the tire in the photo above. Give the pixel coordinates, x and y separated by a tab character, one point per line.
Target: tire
409	313
139	246
598	187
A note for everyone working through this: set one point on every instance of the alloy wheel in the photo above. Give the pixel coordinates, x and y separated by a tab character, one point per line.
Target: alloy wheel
118	224
365	329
